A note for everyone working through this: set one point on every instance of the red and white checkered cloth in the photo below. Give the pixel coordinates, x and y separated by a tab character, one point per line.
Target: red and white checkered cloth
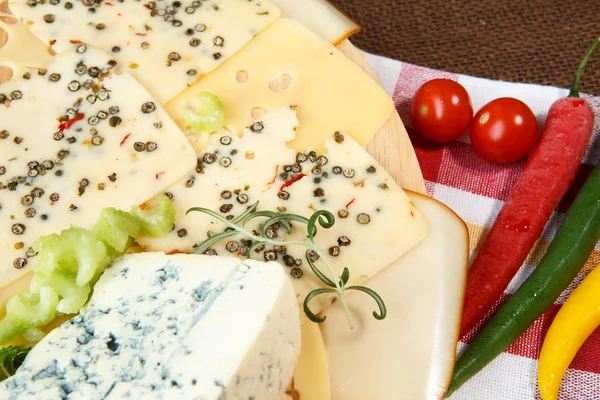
476	190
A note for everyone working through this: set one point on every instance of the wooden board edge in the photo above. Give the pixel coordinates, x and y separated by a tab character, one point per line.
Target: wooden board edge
391	146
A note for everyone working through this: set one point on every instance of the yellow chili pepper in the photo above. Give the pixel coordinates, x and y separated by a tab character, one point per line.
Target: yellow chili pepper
574	323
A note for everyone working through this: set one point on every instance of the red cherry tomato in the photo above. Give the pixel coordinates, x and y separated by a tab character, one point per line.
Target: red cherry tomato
441	110
504	130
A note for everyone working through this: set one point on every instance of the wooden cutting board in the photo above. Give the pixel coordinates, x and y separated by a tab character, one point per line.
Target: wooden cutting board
390	146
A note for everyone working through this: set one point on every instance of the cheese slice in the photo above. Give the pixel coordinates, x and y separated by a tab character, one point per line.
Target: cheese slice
311	378
411	353
23	52
321	17
288	64
166	327
165	45
380	222
117	149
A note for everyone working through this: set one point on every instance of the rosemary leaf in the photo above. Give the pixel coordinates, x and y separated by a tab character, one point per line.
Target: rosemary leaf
11	358
312	316
382	309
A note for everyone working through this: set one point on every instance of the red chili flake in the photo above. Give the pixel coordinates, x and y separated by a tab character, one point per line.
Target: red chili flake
350	203
141	34
125	139
150	8
274	177
159	174
108	3
412	214
75	41
176	251
67	124
291	181
362	184
119	14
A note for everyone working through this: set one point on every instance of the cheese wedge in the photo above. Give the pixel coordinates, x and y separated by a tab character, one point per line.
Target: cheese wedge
321	17
410	354
311	378
289	64
165	45
81	137
378	222
167	327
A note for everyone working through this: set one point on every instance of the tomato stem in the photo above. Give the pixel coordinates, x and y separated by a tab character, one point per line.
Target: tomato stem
575	87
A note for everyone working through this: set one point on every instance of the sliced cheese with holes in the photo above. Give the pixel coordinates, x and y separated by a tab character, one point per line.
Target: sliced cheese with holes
411	353
321	17
164	46
23	52
81	137
378	223
289	64
311	378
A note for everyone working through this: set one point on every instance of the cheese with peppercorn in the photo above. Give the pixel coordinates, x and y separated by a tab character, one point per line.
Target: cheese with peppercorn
375	220
76	138
331	92
166	45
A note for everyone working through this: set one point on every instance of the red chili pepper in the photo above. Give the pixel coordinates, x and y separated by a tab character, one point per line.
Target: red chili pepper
68	123
159	174
125	139
549	172
350	203
291	181
274	177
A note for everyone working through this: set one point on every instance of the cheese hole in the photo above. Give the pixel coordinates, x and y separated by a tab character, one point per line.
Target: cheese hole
8	20
281	83
250	155
6	74
241	76
257	112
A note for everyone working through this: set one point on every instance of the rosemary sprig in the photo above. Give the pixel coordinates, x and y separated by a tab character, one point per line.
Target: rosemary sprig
11	358
325	219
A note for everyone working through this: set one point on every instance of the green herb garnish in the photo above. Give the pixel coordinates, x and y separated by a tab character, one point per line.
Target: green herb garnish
11	358
325	219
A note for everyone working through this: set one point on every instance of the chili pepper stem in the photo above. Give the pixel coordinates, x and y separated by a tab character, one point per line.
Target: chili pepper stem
575	87
338	288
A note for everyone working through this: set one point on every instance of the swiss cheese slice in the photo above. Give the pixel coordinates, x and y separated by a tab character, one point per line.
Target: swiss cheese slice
311	378
81	137
23	52
165	45
320	16
289	64
378	222
411	353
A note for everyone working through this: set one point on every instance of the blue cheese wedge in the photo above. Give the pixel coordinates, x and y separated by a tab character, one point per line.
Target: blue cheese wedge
168	327
166	45
76	138
375	220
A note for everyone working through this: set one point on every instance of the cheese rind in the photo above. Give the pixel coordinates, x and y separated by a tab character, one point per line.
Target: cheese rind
165	47
377	225
287	64
167	327
320	16
411	353
117	149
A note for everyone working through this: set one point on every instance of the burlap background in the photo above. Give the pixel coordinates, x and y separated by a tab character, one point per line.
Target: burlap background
536	41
